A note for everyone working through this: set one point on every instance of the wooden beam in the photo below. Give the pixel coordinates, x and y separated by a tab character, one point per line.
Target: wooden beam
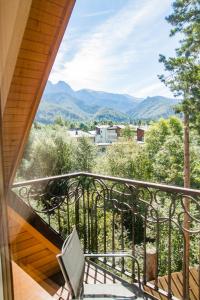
5	263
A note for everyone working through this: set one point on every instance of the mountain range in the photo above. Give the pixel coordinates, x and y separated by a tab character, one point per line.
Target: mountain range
61	100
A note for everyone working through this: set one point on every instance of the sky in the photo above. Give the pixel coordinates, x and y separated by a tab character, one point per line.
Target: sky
114	46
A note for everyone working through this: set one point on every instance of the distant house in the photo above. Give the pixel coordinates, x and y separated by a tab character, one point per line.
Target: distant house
105	134
77	134
140	133
119	129
102	147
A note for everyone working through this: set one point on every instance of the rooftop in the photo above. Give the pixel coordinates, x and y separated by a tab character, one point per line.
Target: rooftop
79	133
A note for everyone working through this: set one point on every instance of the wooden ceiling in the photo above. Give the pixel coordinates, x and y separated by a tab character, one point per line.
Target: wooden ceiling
44	30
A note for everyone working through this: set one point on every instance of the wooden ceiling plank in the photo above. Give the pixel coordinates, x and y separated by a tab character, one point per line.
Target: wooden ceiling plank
35	46
39	37
14	118
12	129
25	81
29	64
34	56
59	2
41	27
42	16
29	73
19	99
9	124
48	7
13	111
12	146
16	88
12	138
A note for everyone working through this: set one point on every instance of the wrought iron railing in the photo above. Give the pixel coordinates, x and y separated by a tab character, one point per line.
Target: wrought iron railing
116	214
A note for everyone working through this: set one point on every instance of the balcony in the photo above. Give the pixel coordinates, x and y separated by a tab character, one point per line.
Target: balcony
151	221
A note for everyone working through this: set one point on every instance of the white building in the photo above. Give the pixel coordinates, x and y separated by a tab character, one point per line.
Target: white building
105	134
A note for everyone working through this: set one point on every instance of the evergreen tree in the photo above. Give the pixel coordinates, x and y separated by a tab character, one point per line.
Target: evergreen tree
184	80
84	155
184	69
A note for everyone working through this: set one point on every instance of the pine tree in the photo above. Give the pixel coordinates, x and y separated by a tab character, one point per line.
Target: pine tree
184	80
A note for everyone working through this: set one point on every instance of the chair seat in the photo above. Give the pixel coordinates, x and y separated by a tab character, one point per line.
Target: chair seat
112	291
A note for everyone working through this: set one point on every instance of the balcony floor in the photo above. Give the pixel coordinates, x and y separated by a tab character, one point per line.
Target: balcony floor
177	285
93	275
25	287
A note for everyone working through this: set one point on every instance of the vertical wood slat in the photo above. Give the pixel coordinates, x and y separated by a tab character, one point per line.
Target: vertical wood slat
6	270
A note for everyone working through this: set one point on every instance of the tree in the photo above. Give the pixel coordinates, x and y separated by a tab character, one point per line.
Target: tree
49	152
184	80
128	133
164	140
184	69
84	155
59	121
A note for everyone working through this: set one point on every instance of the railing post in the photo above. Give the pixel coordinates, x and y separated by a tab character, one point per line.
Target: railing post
151	264
186	222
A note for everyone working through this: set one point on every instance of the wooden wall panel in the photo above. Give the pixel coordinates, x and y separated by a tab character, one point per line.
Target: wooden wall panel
42	36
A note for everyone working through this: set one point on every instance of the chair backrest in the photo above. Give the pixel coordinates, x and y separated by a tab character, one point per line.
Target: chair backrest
72	262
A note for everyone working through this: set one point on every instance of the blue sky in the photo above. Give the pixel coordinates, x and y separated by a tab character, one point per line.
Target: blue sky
113	46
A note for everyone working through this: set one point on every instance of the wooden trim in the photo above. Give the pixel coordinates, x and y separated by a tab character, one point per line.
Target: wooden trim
4	240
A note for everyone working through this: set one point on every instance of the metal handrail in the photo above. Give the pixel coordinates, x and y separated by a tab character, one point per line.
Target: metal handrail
161	187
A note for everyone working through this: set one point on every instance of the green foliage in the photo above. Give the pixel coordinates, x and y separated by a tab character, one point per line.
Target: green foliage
164	152
128	133
117	159
49	152
59	121
183	76
168	162
160	131
84	155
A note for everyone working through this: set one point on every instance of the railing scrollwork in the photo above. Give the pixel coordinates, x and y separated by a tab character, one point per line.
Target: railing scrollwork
113	214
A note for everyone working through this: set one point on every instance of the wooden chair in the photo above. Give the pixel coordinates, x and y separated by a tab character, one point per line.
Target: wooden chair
72	264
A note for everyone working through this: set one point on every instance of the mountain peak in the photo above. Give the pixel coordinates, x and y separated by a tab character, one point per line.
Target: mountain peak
59	87
87	104
62	83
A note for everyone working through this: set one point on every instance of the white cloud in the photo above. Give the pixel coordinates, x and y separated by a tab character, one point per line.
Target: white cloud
154	89
104	56
98	13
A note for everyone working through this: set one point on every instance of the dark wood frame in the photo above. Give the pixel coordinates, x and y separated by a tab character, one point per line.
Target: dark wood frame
7	280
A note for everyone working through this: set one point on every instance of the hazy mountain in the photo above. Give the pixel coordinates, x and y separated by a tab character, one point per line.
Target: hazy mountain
61	100
119	102
60	87
154	108
106	114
